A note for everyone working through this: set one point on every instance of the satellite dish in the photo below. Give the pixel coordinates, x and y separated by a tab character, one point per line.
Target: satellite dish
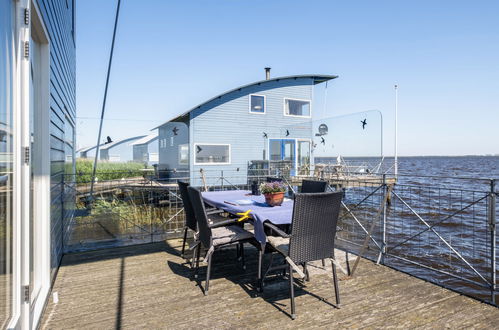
322	130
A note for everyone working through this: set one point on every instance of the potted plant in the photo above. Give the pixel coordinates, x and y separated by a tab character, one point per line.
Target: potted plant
273	192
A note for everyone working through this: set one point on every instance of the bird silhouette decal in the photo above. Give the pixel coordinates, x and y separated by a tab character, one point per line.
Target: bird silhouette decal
364	123
198	149
108	140
175	130
265	135
323	141
244	215
287	132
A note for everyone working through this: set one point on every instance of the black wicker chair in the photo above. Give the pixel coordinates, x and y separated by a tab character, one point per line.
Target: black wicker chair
313	230
313	186
273	179
216	235
190	218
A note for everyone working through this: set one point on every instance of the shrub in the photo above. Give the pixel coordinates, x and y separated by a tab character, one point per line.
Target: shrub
107	170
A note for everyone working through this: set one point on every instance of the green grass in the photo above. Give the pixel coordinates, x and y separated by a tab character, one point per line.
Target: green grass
107	171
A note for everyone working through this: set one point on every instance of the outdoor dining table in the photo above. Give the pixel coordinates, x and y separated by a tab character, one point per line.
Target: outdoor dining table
239	201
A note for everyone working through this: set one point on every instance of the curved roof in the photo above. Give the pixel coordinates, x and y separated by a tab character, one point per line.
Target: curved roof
115	143
317	80
86	149
146	139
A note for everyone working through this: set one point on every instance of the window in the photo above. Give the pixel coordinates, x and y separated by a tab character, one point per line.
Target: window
257	104
211	154
183	154
299	108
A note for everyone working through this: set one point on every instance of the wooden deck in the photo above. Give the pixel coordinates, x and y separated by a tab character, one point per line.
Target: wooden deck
150	286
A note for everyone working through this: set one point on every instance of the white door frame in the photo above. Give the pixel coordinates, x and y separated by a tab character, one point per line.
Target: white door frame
31	309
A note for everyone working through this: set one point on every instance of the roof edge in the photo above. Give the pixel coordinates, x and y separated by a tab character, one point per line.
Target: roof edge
318	78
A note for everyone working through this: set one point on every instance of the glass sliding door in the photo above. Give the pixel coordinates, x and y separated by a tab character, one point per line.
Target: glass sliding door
303	157
6	161
282	154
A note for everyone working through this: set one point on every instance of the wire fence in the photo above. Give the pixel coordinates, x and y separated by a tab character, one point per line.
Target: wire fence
439	229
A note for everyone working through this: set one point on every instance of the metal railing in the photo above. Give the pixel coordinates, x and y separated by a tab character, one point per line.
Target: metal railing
439	229
443	234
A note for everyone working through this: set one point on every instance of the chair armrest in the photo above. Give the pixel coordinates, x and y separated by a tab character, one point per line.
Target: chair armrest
223	223
276	229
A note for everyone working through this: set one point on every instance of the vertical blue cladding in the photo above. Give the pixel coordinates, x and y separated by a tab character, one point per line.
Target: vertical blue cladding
227	120
58	17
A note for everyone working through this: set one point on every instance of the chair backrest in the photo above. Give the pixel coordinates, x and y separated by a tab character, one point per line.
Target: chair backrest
313	186
201	217
190	218
273	179
315	217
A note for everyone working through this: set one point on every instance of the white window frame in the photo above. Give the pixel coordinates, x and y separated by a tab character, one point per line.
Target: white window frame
211	144
294	99
298	140
180	153
264	104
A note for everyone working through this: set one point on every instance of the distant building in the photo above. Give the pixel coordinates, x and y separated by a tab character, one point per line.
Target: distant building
118	151
145	150
87	152
245	124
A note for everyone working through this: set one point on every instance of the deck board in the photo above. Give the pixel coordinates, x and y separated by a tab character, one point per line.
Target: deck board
150	286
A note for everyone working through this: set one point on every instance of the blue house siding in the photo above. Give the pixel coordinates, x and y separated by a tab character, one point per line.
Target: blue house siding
227	120
58	18
168	146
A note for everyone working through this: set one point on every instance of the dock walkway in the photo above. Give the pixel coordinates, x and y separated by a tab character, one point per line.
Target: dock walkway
151	286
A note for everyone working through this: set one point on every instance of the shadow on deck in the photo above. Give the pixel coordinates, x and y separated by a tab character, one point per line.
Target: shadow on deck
151	286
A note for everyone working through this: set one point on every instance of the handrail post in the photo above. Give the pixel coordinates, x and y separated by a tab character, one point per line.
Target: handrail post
381	259
493	238
222	179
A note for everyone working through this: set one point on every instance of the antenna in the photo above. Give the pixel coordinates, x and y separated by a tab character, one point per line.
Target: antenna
396	167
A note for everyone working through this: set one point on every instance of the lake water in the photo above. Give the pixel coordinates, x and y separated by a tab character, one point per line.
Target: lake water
438	221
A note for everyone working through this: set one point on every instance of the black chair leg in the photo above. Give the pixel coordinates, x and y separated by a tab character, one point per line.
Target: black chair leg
305	270
323	263
292	292
198	252
183	243
259	275
348	263
336	287
208	273
241	248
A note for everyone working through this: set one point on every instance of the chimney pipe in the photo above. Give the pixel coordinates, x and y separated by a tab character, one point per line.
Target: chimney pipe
267	73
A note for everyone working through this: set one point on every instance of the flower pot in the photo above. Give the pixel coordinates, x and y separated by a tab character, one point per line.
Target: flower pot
274	199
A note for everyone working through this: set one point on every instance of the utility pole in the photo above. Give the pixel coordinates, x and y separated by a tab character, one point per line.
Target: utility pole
104	103
396	168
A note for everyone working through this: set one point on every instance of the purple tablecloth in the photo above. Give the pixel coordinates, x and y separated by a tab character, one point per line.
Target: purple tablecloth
260	212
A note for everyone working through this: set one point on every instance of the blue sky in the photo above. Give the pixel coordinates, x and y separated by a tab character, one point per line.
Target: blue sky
172	55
